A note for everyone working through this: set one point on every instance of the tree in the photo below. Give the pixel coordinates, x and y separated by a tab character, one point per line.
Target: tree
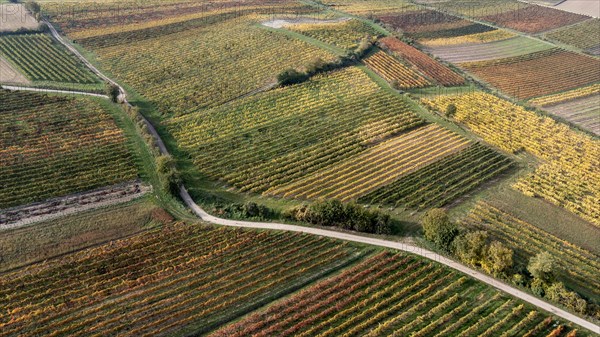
450	110
438	228
470	248
33	7
291	76
112	91
542	267
167	172
499	258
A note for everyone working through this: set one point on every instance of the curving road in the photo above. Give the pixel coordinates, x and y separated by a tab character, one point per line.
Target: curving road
341	235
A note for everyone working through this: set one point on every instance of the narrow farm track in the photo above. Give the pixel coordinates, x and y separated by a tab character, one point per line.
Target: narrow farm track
52	91
185	196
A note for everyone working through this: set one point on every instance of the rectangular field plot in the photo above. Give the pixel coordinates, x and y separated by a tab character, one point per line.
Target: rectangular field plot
535	19
345	34
488	51
394	71
440	183
177	280
286	134
583	35
51	146
584	112
537	74
40	58
376	167
394	295
427	65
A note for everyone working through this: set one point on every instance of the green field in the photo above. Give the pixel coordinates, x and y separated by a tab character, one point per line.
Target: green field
42	59
53	146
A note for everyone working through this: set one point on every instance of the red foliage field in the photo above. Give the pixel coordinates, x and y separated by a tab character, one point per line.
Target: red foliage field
538	74
535	19
423	21
427	65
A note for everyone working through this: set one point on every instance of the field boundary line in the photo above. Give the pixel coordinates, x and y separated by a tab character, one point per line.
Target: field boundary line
52	91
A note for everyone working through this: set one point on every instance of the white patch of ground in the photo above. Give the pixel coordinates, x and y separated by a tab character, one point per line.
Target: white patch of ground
8	74
585	7
280	23
15	16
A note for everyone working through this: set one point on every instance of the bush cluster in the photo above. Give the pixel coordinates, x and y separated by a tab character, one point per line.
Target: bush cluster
348	216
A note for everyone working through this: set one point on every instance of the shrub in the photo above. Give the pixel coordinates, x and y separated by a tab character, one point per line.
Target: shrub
291	76
450	110
438	228
542	267
112	91
348	216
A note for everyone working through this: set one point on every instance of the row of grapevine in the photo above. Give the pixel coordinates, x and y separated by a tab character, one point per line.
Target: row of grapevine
286	134
41	59
346	34
570	175
535	19
582	35
179	278
427	65
485	37
380	165
566	96
538	74
390	295
579	265
394	71
56	146
439	183
181	75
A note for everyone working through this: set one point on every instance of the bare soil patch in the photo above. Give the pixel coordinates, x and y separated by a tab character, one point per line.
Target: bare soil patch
15	16
8	74
27	214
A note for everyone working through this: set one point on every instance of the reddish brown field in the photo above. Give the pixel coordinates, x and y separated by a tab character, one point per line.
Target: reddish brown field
539	73
535	19
427	65
423	21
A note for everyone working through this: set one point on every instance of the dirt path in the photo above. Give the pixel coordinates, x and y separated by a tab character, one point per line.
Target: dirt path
185	196
57	207
16	88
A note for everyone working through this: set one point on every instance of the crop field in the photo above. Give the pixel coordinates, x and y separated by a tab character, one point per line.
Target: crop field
489	51
427	65
41	59
170	70
485	37
578	266
53	146
440	183
478	9
394	71
394	295
51	238
86	19
371	7
171	281
584	112
583	35
570	173
428	24
380	165
535	19
346	34
537	74
566	96
285	134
